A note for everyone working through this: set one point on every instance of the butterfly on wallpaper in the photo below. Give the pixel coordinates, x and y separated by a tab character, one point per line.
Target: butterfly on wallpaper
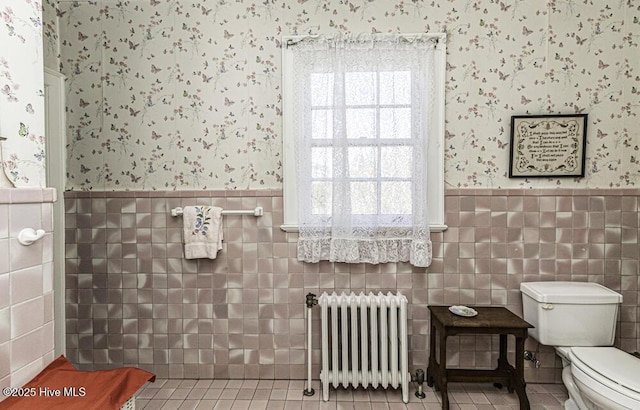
29	108
580	40
602	65
24	130
84	169
228	102
133	45
154	3
60	13
501	144
228	35
207	146
504	7
375	31
36	21
83	103
133	113
353	8
206	79
154	69
577	109
600	134
228	168
12	30
6	90
526	31
502	75
155	135
205	11
81	36
524	100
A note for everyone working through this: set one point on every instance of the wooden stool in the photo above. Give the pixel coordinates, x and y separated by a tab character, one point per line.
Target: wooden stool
490	320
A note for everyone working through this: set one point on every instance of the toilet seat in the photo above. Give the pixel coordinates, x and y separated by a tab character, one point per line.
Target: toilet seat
615	365
605	375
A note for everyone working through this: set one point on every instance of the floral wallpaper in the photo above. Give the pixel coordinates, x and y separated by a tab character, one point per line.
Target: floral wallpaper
21	92
50	34
174	94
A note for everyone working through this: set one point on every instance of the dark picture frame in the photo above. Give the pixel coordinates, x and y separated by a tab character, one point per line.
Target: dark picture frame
548	145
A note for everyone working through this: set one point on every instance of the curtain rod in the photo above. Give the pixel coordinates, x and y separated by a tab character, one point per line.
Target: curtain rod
295	39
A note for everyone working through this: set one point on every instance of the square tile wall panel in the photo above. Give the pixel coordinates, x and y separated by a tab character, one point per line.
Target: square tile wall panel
26	285
132	299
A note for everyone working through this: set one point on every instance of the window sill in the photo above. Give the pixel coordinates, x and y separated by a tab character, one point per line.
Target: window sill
294	228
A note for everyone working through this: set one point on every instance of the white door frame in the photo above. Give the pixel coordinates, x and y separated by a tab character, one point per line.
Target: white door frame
56	158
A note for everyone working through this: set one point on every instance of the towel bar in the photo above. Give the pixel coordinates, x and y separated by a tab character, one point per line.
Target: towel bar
258	211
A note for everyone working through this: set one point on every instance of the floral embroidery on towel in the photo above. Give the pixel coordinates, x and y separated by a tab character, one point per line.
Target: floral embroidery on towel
202	220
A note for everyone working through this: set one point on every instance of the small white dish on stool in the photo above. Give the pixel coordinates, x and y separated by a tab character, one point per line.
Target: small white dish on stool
462	311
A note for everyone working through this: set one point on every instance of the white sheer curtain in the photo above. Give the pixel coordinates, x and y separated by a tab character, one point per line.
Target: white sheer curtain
362	111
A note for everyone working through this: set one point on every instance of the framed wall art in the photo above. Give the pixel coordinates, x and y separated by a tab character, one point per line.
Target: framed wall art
548	145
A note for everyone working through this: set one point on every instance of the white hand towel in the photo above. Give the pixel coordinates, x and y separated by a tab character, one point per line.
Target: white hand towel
202	231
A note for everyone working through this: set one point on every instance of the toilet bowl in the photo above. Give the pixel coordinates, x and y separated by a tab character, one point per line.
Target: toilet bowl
579	319
600	378
607	377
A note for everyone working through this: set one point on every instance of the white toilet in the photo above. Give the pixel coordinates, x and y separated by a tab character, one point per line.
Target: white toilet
579	320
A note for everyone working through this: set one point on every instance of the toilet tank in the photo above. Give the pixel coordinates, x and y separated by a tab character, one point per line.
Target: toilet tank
570	313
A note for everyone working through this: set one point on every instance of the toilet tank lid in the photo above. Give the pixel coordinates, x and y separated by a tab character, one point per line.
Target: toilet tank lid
614	364
570	292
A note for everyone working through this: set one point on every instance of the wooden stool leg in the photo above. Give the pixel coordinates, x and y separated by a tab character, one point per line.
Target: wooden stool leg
432	355
443	371
520	384
503	362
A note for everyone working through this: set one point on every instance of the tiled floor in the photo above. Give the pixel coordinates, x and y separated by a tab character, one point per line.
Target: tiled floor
287	395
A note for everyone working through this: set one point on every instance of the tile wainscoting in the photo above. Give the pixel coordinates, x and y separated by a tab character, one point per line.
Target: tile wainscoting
132	299
26	285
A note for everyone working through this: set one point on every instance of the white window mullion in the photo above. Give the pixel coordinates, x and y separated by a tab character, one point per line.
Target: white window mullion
341	110
378	146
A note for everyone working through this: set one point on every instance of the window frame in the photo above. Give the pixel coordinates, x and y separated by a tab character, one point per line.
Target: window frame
435	155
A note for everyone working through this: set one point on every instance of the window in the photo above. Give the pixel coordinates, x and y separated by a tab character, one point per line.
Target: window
364	130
